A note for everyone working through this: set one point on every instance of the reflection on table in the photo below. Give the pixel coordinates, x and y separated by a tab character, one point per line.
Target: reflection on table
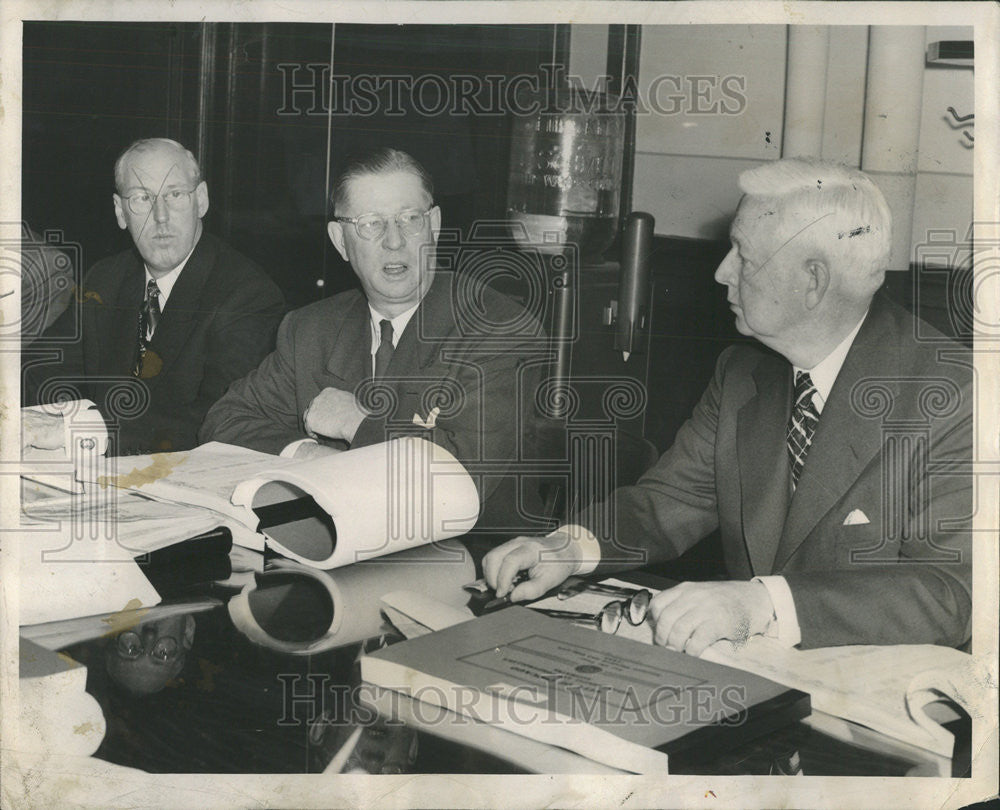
191	693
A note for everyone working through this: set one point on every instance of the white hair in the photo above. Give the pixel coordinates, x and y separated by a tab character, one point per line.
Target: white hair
146	144
853	220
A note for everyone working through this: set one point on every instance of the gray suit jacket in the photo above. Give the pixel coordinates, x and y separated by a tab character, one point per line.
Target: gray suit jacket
894	442
476	367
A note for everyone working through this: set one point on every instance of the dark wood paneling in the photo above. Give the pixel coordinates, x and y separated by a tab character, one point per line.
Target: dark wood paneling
92	88
89	89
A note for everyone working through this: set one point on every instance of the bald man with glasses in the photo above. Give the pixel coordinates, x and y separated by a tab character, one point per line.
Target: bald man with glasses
403	355
176	318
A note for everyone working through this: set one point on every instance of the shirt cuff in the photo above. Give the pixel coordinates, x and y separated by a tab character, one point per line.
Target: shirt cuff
83	426
587	545
785	625
290	449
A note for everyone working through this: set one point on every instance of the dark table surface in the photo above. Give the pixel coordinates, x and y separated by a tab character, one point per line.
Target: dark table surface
238	707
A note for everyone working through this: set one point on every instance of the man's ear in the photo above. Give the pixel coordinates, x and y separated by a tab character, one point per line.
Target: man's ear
435	215
120	211
335	231
817	282
201	198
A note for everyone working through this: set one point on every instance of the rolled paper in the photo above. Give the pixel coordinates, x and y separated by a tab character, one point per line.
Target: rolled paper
338	510
301	610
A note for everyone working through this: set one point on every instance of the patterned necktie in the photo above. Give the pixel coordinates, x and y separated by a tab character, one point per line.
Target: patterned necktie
149	317
383	355
151	308
801	424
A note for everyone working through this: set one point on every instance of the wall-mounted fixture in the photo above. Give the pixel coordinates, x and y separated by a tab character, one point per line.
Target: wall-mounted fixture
964	120
952	52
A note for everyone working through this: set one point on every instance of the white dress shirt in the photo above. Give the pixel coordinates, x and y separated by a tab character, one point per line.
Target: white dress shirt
398	325
164	284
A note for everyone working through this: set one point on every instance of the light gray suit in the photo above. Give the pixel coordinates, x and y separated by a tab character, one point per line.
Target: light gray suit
894	442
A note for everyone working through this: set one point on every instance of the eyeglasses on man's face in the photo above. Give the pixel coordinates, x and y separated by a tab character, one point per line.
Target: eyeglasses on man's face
141	203
130	646
371	226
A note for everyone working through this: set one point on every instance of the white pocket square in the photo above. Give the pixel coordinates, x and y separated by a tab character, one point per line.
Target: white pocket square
430	421
856	518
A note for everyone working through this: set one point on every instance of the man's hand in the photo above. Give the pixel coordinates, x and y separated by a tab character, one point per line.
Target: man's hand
43	431
314	450
548	561
335	414
693	615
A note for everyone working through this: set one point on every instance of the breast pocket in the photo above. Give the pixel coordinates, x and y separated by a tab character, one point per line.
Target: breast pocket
866	542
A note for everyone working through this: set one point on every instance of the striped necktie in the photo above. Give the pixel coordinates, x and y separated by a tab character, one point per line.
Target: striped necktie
801	424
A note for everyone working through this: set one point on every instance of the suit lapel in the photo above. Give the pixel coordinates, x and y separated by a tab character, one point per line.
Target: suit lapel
433	322
845	441
120	335
350	360
763	461
185	302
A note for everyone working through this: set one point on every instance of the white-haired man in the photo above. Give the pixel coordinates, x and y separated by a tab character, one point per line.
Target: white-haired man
182	313
831	465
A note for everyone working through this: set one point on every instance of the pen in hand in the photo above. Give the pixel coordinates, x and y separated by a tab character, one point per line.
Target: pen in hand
480	590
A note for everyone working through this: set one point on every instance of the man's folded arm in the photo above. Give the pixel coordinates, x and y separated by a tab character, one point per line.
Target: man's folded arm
487	424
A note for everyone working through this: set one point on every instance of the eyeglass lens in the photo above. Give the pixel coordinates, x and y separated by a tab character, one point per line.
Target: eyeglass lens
409	222
175	199
130	646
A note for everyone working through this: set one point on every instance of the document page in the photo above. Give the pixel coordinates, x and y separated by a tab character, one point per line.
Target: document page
204	476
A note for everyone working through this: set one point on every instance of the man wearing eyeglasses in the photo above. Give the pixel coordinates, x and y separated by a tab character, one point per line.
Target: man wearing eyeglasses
146	658
834	465
176	319
399	356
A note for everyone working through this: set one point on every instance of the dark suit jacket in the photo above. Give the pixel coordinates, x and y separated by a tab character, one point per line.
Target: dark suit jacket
217	324
891	441
475	365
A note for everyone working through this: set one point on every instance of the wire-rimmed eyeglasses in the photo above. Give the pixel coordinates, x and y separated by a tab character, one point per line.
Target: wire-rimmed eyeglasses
371	226
141	203
130	646
609	619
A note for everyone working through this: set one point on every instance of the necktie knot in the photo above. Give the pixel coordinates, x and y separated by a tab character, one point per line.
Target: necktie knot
801	424
804	389
151	308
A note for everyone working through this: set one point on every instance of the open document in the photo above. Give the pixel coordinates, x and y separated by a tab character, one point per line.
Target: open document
325	512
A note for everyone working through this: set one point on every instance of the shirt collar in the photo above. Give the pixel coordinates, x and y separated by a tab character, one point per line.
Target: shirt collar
398	324
824	373
165	283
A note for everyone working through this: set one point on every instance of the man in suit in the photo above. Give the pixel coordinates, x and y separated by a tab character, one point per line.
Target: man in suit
166	326
415	351
830	461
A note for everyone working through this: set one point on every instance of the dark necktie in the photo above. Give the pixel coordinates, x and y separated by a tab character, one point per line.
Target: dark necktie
383	355
801	424
149	317
151	309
